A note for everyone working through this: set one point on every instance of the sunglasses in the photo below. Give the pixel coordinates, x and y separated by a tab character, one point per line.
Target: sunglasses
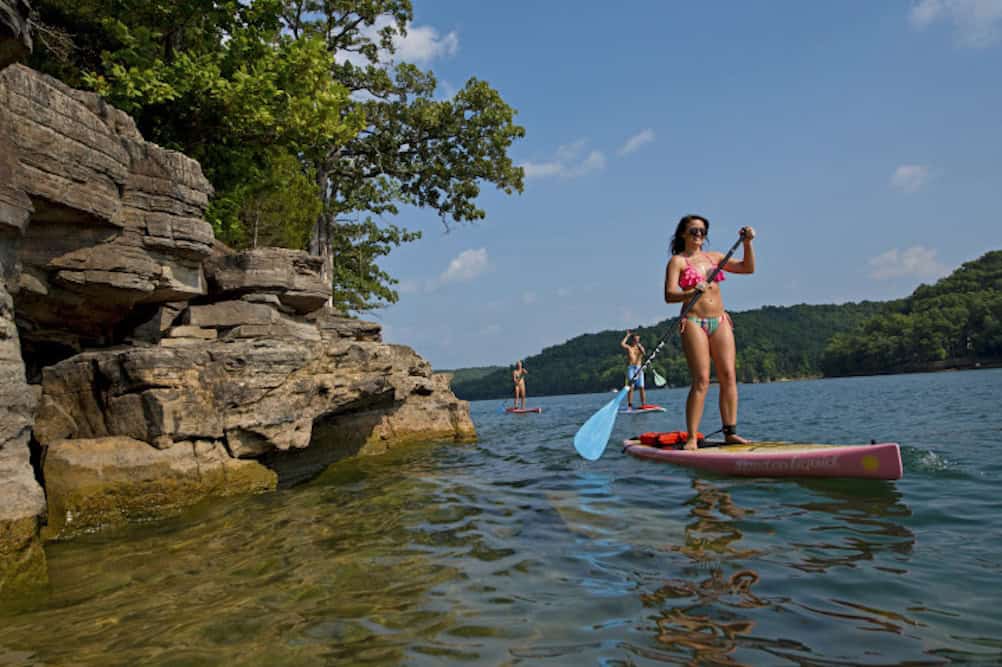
696	232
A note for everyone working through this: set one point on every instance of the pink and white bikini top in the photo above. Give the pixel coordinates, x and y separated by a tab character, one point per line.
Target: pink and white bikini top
691	276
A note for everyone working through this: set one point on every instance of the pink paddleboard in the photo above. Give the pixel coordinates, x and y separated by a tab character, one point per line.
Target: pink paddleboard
783	459
522	411
642	409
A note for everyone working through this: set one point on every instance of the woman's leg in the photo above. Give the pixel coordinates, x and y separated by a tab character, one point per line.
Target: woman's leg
697	354
722	349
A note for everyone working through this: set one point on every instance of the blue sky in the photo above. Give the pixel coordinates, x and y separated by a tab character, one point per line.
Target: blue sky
862	140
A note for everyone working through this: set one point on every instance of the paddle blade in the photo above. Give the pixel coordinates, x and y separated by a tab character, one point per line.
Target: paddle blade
658	380
593	436
503	407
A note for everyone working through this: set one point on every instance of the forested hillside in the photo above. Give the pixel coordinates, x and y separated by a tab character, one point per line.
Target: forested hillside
955	323
773	342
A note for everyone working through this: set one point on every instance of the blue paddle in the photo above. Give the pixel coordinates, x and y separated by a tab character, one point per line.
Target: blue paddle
591	439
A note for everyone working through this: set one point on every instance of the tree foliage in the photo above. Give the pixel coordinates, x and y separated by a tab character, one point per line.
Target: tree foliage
264	92
957	321
415	150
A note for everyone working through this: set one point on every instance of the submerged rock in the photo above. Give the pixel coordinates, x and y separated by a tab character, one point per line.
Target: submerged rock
93	483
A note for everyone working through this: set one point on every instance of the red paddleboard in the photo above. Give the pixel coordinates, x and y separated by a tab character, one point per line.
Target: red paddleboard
782	459
522	411
641	409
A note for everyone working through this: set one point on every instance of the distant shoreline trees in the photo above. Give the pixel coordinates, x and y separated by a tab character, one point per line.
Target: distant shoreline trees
956	323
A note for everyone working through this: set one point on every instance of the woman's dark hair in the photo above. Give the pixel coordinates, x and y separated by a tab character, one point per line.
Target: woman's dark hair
678	241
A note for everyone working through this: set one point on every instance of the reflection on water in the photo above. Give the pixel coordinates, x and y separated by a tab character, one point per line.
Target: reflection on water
713	529
709	617
698	621
866	518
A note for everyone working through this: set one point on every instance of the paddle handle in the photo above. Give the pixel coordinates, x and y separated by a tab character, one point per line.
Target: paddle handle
688	305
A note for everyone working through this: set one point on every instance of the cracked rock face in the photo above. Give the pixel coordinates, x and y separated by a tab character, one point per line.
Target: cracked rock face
297	280
116	221
255	395
278	407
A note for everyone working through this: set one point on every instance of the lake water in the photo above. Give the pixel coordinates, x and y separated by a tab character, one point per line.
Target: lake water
516	551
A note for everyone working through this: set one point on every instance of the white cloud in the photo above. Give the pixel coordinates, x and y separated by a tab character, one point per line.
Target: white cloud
572	151
466	266
636	141
916	261
529	298
542	169
977	22
570	161
594	162
423	45
910	177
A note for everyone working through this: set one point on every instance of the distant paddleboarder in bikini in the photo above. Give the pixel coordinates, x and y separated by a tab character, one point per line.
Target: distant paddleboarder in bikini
518	377
635	359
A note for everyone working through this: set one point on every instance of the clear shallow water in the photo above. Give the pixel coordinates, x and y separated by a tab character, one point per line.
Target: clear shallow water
515	551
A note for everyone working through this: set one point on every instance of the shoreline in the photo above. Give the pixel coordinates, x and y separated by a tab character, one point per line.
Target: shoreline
981	365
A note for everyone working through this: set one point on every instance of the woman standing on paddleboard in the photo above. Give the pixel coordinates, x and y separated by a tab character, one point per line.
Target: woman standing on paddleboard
707	332
518	377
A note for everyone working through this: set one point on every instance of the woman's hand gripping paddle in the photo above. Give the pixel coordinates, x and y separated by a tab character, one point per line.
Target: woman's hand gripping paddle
591	439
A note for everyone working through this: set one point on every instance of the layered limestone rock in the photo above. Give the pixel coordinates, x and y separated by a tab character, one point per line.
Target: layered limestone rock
22	502
298	280
256	396
117	221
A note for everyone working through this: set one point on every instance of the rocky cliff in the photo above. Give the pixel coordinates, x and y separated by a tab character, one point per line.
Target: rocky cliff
144	367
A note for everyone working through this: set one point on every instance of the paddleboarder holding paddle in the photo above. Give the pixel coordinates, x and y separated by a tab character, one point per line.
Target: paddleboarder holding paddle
706	329
518	377
634	358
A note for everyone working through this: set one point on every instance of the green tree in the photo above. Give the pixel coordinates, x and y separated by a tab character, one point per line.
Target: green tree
415	150
222	82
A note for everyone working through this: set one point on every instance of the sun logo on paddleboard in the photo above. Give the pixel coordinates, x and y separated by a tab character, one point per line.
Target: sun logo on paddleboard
870	463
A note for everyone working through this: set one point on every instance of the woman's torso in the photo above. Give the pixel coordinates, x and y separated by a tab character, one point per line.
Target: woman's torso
711	304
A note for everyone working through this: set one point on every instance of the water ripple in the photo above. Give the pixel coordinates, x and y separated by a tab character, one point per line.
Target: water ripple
514	551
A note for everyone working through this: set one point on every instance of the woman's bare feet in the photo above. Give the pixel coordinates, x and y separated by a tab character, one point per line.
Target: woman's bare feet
691	444
734	439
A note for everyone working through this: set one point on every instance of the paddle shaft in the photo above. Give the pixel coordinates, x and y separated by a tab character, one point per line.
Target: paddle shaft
688	306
